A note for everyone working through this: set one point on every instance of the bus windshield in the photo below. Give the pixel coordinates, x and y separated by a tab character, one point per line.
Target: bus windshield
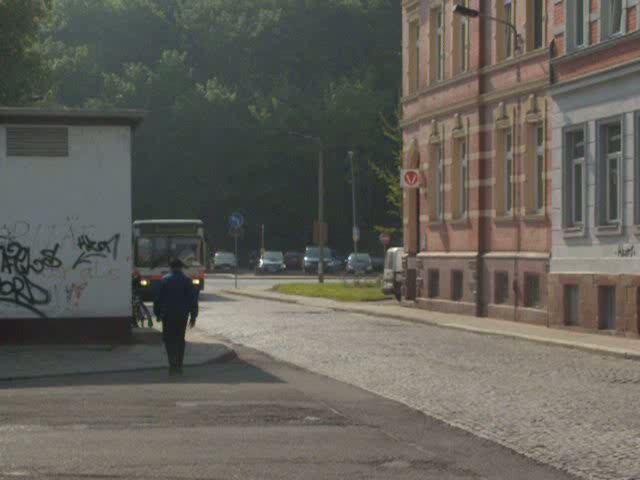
156	251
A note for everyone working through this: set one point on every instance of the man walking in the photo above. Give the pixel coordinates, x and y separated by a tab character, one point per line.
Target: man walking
175	302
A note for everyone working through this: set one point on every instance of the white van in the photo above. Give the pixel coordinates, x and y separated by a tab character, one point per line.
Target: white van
393	273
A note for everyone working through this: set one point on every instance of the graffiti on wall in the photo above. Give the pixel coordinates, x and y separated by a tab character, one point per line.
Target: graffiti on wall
45	268
17	271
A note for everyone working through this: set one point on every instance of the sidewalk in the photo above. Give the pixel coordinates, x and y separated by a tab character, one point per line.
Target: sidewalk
37	361
594	342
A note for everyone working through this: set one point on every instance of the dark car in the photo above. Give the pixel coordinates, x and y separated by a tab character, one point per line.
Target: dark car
312	259
359	263
377	262
293	260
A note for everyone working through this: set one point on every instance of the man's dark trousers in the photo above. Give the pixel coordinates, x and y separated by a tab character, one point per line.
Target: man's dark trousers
173	332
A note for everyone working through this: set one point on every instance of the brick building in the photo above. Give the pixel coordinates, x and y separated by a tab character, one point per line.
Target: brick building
475	120
595	111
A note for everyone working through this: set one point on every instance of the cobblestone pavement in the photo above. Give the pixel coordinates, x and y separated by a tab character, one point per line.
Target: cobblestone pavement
575	410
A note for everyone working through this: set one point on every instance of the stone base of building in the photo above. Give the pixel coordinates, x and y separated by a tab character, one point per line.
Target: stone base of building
595	301
500	285
65	330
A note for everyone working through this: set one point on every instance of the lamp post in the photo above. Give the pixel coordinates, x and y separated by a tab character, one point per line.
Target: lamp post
353	204
473	13
318	142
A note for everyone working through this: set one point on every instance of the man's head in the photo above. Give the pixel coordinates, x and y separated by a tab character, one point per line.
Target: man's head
176	265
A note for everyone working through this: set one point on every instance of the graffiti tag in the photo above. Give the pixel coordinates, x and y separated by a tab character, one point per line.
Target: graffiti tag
92	249
626	251
17	262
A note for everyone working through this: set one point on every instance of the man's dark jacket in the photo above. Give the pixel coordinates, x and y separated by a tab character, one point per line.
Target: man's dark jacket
177	298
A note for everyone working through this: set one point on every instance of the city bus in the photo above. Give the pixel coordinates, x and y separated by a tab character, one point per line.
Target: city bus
156	242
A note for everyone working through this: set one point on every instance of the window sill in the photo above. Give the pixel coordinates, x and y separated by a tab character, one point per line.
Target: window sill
574	232
609	230
535	217
460	221
436	223
505	220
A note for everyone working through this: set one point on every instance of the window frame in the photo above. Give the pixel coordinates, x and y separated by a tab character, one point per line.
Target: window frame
463	153
571	16
456	295
531	301
537	26
636	163
539	166
569	164
440	176
414	55
508	45
463	41
603	174
508	171
605	16
439	42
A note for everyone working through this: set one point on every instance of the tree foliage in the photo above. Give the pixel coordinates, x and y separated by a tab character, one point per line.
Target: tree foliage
223	81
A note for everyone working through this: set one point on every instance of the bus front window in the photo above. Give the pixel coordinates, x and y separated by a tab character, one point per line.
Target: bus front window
188	250
152	252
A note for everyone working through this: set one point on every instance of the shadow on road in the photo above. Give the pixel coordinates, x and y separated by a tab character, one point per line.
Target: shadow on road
231	370
212	297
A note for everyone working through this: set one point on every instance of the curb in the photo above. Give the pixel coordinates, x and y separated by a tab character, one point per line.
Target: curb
225	357
608	351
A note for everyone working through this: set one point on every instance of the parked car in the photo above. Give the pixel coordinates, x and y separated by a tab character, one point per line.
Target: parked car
377	261
271	262
224	262
359	263
338	262
393	276
293	260
312	259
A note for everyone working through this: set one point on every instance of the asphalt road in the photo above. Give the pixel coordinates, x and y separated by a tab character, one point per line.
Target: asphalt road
250	418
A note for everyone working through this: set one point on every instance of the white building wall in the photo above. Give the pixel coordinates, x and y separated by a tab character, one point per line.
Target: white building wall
612	95
65	228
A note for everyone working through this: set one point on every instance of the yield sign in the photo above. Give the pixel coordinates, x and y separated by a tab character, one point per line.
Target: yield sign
410	178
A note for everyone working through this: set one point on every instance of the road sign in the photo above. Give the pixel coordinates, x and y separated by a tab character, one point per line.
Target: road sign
236	220
355	234
385	238
410	178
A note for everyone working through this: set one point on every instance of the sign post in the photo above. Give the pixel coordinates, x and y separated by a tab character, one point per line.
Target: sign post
236	221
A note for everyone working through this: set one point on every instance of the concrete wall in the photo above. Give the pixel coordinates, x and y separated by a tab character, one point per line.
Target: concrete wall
65	229
611	96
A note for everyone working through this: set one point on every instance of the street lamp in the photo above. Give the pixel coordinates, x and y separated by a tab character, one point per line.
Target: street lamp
355	232
473	13
318	142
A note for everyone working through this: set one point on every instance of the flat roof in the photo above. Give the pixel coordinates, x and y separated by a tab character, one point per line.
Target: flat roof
69	116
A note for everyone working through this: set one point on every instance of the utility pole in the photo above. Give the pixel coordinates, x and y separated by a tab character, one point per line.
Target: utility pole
353	204
321	212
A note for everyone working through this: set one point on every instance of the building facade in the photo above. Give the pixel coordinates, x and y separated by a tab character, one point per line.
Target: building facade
595	108
65	229
475	115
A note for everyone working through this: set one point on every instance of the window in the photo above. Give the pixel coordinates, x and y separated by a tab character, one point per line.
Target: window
414	56
37	142
456	285
440	180
609	166
461	41
500	287
464	174
612	18
576	23
531	290
539	164
538	23
571	304
508	33
434	283
439	44
508	170
574	177
607	308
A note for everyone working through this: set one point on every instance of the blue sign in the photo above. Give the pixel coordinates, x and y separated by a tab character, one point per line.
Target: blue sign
236	220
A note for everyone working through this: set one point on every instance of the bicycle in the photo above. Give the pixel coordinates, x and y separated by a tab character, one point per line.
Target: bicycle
141	313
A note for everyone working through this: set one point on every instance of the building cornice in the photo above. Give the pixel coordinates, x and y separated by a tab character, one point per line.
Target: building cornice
478	101
598	47
430	89
595	77
513	62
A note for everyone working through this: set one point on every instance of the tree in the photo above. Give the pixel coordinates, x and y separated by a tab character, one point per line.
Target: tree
23	78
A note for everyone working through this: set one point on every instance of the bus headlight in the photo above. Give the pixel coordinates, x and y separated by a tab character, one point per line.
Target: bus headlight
144	283
196	281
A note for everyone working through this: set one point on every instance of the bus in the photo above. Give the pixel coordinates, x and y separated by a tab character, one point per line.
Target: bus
156	242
